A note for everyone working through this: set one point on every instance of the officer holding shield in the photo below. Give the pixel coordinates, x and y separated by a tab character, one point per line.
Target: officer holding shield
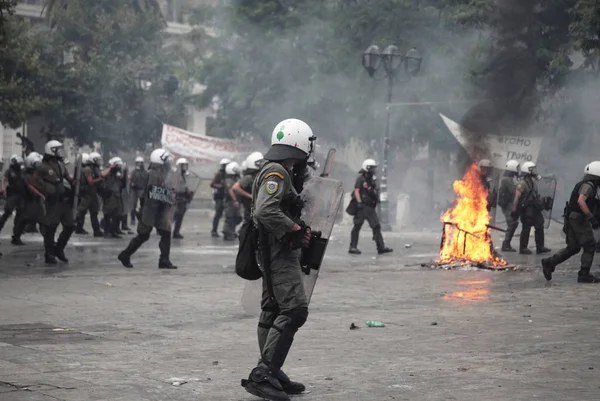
13	184
137	182
281	236
579	225
528	204
157	205
183	196
33	209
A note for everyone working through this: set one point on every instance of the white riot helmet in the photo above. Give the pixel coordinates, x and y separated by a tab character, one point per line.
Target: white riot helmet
529	168
513	165
85	159
593	169
244	166
139	159
54	148
160	156
232	168
33	160
291	139
253	159
369	164
96	158
224	161
182	161
485	163
16	160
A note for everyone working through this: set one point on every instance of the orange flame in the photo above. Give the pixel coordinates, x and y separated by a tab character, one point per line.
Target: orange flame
467	235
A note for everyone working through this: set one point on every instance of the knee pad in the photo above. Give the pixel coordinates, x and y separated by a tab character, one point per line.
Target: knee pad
297	317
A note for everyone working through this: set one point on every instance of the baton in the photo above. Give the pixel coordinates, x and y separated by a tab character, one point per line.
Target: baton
495	228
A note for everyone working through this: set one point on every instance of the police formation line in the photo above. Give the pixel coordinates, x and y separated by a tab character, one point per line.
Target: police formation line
520	200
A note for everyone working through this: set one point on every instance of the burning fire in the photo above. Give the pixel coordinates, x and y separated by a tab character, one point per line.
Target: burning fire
466	233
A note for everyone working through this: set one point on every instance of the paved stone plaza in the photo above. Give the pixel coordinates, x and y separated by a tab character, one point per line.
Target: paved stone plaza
93	330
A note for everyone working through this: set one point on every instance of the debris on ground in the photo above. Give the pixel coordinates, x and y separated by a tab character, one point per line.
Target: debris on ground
353	326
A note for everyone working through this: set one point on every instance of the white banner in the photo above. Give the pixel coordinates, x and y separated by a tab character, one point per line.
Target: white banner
499	149
201	149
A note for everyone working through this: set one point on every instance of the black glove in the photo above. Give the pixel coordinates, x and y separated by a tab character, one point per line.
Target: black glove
359	205
594	222
300	238
514	214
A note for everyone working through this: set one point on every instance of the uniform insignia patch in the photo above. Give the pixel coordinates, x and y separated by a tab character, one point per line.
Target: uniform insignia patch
272	187
51	172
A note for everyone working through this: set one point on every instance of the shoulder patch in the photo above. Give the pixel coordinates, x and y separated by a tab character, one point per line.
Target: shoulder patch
271	187
274	173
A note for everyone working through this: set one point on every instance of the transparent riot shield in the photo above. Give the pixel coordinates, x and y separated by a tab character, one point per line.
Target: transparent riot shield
193	182
322	200
77	178
547	191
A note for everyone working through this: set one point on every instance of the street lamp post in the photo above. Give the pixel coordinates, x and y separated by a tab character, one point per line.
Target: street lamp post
391	60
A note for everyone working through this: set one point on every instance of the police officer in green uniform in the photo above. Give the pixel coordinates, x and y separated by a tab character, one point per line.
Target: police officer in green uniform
218	186
183	196
528	204
56	178
579	226
33	210
13	184
366	196
111	198
243	188
90	185
508	186
232	202
157	205
284	303
137	182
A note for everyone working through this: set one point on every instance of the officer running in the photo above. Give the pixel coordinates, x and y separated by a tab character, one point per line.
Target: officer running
34	200
54	176
284	303
137	182
366	197
232	202
508	186
528	204
243	187
579	226
157	203
183	196
218	186
13	184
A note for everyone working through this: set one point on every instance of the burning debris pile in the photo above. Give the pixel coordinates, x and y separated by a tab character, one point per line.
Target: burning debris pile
466	240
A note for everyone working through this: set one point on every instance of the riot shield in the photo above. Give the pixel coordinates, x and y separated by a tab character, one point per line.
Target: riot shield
160	200
322	200
193	182
493	198
547	191
328	162
77	178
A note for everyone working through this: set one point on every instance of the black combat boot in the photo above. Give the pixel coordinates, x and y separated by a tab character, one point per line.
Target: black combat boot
165	264
61	243
525	251
584	276
354	251
214	234
548	268
541	250
506	247
262	384
50	259
16	241
290	387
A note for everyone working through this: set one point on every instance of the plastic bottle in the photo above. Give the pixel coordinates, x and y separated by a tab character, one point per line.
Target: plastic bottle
375	323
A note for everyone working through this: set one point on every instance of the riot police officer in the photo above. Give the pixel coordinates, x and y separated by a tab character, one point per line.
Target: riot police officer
232	204
34	200
366	196
508	186
157	204
528	204
125	198
284	304
91	183
183	196
137	182
485	169
243	188
56	180
218	186
13	184
111	198
579	225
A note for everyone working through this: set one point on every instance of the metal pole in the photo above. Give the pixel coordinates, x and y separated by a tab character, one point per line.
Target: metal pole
383	197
